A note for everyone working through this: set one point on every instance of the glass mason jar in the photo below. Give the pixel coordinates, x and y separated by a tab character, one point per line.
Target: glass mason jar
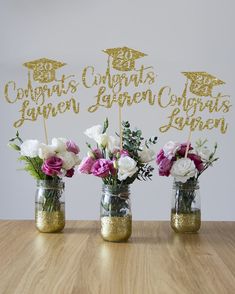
115	213
50	206
186	207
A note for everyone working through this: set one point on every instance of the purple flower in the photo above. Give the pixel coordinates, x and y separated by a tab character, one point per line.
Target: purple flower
124	153
86	165
183	148
70	173
97	153
117	153
197	161
160	156
102	168
164	167
52	166
72	147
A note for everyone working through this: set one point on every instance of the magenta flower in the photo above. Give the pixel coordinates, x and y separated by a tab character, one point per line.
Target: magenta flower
197	161
124	153
52	166
86	165
120	153
70	173
72	147
164	167
97	153
160	156
102	168
183	148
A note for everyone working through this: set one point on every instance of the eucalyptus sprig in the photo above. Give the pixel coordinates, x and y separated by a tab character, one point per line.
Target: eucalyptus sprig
132	142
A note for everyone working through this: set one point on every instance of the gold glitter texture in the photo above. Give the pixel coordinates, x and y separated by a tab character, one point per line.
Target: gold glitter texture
202	83
49	222
44	69
124	57
186	222
115	228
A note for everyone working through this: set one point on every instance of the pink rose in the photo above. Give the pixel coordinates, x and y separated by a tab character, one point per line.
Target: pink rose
102	168
52	166
160	156
70	173
86	165
72	147
164	167
183	148
197	161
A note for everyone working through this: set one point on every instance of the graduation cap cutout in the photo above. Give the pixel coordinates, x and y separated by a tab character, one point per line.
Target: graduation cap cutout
44	69
124	57
202	83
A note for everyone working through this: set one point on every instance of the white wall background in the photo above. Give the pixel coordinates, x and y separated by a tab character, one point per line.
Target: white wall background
178	36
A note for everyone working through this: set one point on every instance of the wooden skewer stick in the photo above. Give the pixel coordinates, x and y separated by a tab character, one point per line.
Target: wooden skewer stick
45	130
188	142
120	125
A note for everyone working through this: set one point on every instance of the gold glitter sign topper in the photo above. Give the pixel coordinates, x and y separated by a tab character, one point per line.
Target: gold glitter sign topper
35	99
123	83
192	109
121	74
197	102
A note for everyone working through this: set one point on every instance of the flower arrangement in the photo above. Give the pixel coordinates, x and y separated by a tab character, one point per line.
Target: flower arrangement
171	160
185	164
48	164
117	165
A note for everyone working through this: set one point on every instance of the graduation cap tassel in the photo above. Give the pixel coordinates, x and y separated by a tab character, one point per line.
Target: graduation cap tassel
185	89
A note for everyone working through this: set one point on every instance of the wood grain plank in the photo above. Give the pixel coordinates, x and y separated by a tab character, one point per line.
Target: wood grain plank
155	260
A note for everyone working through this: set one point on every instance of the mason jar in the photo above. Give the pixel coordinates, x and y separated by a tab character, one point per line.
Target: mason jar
186	207
50	206
115	213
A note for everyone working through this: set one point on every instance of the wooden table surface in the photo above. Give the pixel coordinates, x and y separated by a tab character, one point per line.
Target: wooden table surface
155	260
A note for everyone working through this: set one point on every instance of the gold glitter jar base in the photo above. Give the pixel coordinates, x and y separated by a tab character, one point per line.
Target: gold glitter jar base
50	222
186	222
115	228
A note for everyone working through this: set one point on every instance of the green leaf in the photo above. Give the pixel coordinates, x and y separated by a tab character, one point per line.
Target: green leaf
14	146
106	125
33	166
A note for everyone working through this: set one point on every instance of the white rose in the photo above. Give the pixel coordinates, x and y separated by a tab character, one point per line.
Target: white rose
146	155
76	159
170	149
94	132
69	159
59	144
102	140
183	169
126	167
46	151
29	148
204	153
